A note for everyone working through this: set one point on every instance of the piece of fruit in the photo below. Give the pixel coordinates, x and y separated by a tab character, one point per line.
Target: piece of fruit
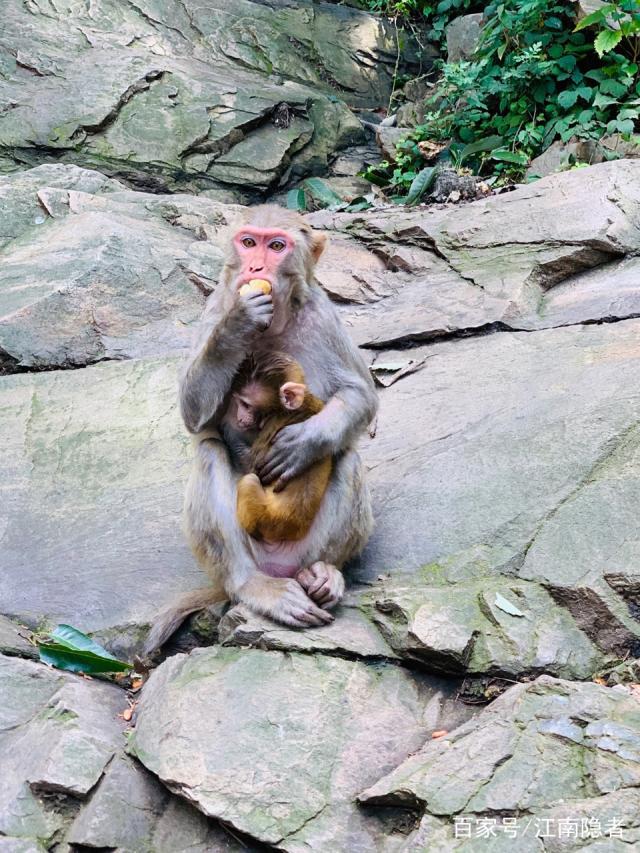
256	284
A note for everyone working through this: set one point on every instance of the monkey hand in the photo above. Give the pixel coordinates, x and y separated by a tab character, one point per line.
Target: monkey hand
294	449
257	308
323	583
283	599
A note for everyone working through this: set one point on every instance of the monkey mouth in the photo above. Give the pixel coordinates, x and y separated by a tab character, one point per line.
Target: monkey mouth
247	279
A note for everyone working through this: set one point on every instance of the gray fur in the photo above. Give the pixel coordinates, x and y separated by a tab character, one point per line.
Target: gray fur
309	330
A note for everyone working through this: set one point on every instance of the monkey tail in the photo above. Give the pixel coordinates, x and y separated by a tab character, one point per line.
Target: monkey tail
170	619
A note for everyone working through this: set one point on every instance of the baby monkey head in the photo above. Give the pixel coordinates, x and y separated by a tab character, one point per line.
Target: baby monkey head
265	386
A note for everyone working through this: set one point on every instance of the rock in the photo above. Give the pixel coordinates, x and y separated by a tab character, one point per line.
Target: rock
57	734
463	34
183	96
353	160
493	485
350	273
389	121
131	811
495	626
516	247
308	757
387	139
416	94
562	155
94	470
352	634
587	7
13	639
64	775
91	272
626	148
551	750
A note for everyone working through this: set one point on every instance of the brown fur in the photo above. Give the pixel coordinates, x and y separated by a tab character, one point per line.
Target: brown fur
286	515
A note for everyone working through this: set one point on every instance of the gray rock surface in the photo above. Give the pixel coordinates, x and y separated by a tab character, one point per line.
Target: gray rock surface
463	34
508	254
106	447
483	626
562	155
91	271
340	724
550	750
503	335
57	735
131	811
188	94
64	777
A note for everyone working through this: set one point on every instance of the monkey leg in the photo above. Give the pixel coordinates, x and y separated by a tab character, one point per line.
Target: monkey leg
251	504
224	549
275	516
340	531
323	583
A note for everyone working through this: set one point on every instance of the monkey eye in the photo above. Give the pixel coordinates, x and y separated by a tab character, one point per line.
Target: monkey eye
277	245
248	242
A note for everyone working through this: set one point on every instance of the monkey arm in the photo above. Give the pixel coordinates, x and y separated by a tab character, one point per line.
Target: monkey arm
350	408
223	342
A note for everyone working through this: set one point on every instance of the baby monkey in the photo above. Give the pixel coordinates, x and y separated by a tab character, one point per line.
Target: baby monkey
268	394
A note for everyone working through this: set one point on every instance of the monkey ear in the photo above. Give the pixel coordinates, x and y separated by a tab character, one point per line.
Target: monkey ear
318	243
292	395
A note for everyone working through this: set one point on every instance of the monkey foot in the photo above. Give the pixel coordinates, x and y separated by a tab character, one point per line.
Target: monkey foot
323	583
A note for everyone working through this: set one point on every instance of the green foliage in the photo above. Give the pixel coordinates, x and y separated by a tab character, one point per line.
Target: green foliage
315	194
436	15
536	77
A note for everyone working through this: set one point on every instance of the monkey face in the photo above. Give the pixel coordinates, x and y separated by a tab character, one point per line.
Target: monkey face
247	416
261	253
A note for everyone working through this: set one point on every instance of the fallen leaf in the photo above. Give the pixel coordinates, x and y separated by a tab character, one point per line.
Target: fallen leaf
439	733
507	606
410	367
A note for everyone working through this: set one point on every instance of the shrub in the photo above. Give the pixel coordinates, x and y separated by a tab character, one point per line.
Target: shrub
536	77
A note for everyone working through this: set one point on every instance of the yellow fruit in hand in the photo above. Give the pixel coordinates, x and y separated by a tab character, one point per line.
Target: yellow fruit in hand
255	285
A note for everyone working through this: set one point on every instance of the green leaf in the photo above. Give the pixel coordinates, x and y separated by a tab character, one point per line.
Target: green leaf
420	184
600	101
614	87
567	62
606	41
322	193
589	20
487	143
507	156
568	99
360	202
71	650
296	200
507	606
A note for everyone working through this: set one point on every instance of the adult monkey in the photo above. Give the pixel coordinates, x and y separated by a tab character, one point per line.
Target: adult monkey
297	582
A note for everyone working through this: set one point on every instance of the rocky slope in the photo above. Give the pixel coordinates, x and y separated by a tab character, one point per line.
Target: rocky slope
503	335
231	98
504	466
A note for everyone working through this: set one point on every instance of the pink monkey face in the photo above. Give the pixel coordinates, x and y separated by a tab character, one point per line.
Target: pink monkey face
261	252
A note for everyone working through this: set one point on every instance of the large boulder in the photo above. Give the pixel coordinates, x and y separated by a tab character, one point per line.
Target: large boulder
514	261
64	776
91	271
94	467
278	746
548	753
188	95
